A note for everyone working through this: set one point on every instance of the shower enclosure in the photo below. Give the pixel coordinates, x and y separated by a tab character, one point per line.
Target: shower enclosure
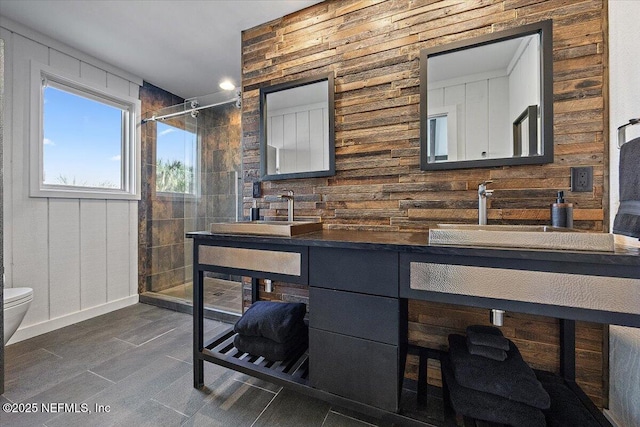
191	177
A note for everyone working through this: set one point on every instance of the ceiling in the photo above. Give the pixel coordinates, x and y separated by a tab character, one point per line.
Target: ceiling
185	47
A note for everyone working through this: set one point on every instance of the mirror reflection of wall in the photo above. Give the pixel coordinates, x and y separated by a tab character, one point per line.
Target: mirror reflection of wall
297	129
487	87
297	124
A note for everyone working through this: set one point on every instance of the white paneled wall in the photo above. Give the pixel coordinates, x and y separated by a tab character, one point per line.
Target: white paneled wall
298	138
79	256
482	116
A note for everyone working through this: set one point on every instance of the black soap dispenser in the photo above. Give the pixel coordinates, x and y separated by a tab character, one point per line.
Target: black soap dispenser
561	212
255	212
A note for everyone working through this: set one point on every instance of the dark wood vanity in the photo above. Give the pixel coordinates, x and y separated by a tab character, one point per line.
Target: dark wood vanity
359	286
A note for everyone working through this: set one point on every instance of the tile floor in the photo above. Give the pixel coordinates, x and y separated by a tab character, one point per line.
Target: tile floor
218	293
137	363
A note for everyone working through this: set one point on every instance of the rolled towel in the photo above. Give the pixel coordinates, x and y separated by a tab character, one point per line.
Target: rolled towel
486	351
566	408
487	336
277	321
512	379
489	407
271	350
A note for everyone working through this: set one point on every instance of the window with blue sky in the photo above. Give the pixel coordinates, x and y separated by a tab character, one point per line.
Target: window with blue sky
82	141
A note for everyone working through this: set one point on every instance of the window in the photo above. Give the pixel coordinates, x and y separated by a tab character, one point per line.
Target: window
84	142
176	160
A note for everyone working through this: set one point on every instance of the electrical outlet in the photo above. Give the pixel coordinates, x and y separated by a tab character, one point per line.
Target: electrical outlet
257	190
582	179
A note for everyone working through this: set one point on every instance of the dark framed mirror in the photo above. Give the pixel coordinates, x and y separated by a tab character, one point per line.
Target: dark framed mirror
488	101
297	133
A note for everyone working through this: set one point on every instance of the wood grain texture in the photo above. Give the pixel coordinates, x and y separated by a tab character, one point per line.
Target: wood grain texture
373	50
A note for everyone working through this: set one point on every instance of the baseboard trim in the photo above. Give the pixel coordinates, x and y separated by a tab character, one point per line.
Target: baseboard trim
69	319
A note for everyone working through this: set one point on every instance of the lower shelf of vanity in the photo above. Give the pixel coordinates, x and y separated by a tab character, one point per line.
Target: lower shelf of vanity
292	374
220	350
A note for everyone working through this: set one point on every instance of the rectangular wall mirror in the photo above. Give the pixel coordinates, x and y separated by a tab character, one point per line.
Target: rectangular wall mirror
297	129
488	101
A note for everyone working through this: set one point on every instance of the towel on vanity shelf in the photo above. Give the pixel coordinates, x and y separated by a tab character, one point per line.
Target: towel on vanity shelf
277	321
512	379
627	220
566	408
271	350
487	336
486	351
487	406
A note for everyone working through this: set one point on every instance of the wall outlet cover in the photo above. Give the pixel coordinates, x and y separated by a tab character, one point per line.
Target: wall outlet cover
582	179
257	190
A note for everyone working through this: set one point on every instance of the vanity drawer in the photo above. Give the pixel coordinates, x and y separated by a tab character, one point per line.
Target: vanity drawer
363	316
370	272
357	369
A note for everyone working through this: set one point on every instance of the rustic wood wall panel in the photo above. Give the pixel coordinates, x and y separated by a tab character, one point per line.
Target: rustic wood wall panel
372	47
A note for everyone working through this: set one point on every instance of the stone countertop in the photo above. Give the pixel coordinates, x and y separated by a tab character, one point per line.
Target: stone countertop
418	242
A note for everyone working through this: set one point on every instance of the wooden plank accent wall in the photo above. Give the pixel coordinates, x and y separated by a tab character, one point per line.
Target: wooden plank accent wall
372	47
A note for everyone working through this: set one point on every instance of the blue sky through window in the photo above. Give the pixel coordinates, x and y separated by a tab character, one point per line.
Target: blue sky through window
82	141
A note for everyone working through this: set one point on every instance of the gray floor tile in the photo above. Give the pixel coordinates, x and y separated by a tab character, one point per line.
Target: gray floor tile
290	409
232	403
23	382
136	358
144	333
152	414
73	390
335	419
184	398
124	397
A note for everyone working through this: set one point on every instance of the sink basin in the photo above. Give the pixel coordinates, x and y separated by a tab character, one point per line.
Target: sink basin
520	236
266	228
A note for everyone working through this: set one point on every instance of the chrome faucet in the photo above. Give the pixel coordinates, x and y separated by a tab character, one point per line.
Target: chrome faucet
483	193
289	197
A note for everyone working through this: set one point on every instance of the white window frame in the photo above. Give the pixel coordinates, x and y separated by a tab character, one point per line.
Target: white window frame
130	150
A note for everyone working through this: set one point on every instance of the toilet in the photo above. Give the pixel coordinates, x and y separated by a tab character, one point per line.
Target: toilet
16	303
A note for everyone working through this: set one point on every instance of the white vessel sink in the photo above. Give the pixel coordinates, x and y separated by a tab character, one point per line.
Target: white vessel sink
266	228
520	236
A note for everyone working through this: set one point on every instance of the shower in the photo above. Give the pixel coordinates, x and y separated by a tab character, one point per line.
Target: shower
192	170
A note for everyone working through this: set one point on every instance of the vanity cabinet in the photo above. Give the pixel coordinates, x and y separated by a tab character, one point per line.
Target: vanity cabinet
354	323
359	287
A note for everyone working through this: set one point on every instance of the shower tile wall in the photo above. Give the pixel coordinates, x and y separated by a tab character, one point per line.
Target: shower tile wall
161	221
165	256
220	130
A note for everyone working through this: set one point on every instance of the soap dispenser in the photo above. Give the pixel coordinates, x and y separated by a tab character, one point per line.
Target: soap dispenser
561	212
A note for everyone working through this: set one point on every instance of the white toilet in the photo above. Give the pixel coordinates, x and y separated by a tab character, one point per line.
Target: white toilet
16	303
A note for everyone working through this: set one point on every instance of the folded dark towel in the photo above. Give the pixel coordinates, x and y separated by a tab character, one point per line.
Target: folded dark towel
486	351
566	408
512	379
276	321
489	407
627	220
271	350
487	336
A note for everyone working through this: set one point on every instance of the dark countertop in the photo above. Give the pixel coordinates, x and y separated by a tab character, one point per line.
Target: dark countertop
418	243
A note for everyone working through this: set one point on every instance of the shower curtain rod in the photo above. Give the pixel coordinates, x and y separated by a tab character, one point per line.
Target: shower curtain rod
191	110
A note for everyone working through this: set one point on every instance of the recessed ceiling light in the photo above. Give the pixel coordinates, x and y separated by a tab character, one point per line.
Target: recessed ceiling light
227	85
